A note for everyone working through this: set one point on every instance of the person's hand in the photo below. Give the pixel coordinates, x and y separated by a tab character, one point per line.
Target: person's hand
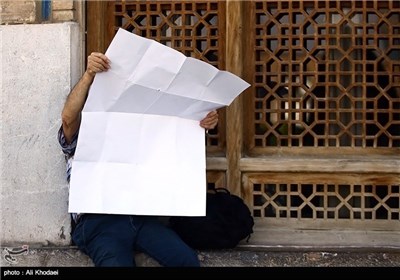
210	121
97	62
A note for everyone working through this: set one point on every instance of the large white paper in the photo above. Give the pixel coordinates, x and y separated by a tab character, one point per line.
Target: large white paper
140	148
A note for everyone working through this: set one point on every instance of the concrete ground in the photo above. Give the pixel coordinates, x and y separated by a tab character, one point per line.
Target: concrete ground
240	257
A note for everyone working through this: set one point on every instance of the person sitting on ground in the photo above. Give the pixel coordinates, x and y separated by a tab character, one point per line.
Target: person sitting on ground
111	240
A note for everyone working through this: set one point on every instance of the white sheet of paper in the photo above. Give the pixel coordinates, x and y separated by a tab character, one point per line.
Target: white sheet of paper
140	148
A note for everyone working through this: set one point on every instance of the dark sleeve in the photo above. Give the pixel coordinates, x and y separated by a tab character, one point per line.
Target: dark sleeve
68	149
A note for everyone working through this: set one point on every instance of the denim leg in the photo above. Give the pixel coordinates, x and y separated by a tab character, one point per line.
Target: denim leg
163	244
106	239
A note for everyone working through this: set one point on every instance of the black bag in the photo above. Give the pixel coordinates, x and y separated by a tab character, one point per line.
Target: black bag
228	221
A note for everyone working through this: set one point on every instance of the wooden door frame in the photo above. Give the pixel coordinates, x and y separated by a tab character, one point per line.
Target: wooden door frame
234	113
97	34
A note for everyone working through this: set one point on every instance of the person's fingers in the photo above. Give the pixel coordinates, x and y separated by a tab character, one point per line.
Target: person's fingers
100	60
212	114
97	56
210	118
210	121
209	126
97	62
97	67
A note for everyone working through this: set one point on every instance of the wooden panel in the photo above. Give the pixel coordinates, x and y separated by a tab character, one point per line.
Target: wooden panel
322	144
314	143
325	199
276	237
216	179
98	26
334	165
325	74
234	112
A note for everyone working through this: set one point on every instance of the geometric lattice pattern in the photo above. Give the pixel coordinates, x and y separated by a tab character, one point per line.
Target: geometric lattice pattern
323	74
189	27
327	74
326	201
192	28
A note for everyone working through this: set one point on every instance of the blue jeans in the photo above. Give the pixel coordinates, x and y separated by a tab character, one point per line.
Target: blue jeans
110	240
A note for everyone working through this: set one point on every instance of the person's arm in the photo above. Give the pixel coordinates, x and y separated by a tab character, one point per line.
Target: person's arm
71	113
210	121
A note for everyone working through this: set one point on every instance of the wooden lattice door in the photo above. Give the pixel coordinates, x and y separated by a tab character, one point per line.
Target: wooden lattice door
314	144
322	145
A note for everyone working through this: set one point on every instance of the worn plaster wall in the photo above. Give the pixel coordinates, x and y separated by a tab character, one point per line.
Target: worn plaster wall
39	65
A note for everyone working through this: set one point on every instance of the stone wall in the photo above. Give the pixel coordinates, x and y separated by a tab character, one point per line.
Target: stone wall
40	64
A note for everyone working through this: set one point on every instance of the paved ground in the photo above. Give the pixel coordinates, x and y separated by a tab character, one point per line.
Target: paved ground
71	257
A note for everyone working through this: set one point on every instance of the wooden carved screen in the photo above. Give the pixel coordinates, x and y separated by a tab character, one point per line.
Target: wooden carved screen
315	142
325	105
326	75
